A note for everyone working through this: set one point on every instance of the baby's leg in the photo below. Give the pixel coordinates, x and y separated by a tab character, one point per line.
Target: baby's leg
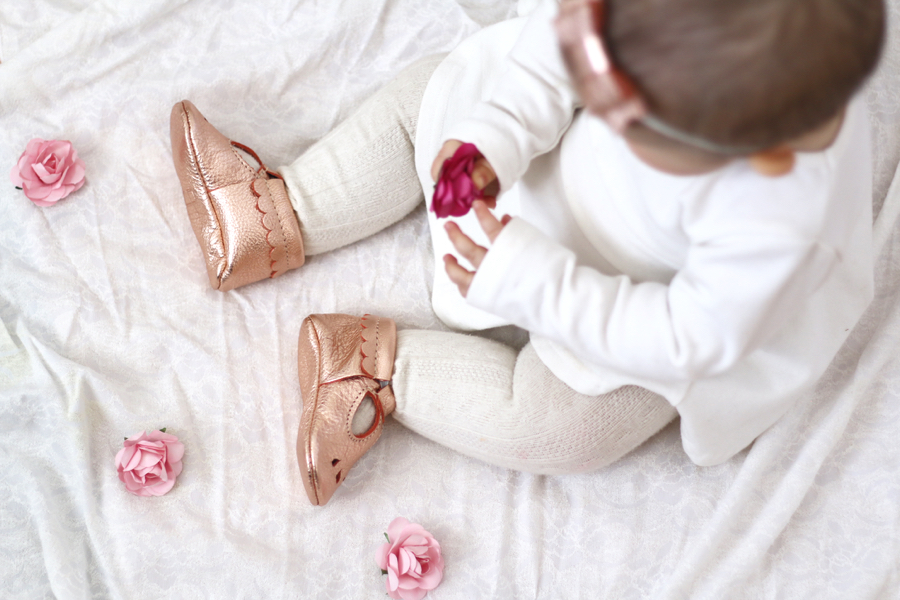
357	180
361	177
485	400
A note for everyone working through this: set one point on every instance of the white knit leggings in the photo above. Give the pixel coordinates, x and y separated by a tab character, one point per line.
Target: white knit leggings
471	394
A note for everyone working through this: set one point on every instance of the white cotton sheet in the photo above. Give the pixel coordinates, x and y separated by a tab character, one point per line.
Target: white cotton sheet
109	327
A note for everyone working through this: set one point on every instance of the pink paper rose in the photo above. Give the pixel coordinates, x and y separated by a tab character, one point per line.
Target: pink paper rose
412	560
48	171
149	463
455	191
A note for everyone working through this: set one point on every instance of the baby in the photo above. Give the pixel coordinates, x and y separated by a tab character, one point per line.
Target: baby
690	185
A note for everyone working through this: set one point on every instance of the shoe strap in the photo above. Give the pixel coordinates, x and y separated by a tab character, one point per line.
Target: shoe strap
385	403
262	166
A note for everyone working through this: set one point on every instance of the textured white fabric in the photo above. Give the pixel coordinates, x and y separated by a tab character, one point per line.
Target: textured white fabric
111	328
728	293
486	400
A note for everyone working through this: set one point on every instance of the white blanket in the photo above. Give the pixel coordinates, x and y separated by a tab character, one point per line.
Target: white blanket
109	327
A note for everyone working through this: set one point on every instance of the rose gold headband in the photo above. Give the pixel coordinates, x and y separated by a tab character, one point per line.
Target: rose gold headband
605	90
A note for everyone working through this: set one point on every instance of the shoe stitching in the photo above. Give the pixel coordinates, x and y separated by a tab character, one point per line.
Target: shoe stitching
362	344
379	417
209	202
241	158
312	471
262	221
284	230
377	324
273	271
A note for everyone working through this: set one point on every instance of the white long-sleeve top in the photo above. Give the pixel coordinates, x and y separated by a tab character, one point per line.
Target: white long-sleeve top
728	293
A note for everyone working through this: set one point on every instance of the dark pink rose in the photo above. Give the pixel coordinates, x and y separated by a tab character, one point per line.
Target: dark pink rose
411	559
149	463
48	171
455	191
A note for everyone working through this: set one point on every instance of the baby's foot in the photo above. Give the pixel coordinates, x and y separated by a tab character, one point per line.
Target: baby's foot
241	215
345	366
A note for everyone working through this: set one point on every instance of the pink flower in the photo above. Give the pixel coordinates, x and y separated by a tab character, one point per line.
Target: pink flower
455	191
149	463
48	171
412	560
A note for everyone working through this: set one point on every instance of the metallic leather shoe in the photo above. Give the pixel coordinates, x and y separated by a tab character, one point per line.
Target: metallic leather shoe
241	215
343	360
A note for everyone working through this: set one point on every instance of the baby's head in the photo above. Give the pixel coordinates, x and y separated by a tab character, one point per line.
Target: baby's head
745	73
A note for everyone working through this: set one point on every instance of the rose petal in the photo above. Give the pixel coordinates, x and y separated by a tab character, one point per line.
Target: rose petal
158	472
455	171
124	456
431	578
131	483
392	572
57	148
58	194
381	556
395	594
75	174
463	188
175	451
415	567
134	460
408	530
15	177
404	560
36	191
416	539
413	594
396	527
45	175
149	457
162	488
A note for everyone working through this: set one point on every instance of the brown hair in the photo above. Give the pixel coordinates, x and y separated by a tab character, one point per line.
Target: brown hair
746	72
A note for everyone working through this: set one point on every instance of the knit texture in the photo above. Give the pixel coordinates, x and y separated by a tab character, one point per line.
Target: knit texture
361	176
485	400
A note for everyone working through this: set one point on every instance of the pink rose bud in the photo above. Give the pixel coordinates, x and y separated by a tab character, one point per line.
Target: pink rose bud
48	171
411	559
149	463
455	191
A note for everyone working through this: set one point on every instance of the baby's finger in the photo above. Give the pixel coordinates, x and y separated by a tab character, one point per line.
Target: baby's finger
492	227
471	251
457	274
483	176
491	201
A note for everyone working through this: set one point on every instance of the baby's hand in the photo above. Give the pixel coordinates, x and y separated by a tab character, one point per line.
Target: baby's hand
469	249
483	175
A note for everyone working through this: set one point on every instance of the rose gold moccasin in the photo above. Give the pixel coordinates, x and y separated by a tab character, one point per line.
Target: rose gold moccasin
343	361
241	215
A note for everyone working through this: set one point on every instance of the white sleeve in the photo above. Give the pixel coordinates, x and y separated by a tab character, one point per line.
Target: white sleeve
734	291
532	103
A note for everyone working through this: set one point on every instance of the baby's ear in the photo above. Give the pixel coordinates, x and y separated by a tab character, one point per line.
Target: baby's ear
774	162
